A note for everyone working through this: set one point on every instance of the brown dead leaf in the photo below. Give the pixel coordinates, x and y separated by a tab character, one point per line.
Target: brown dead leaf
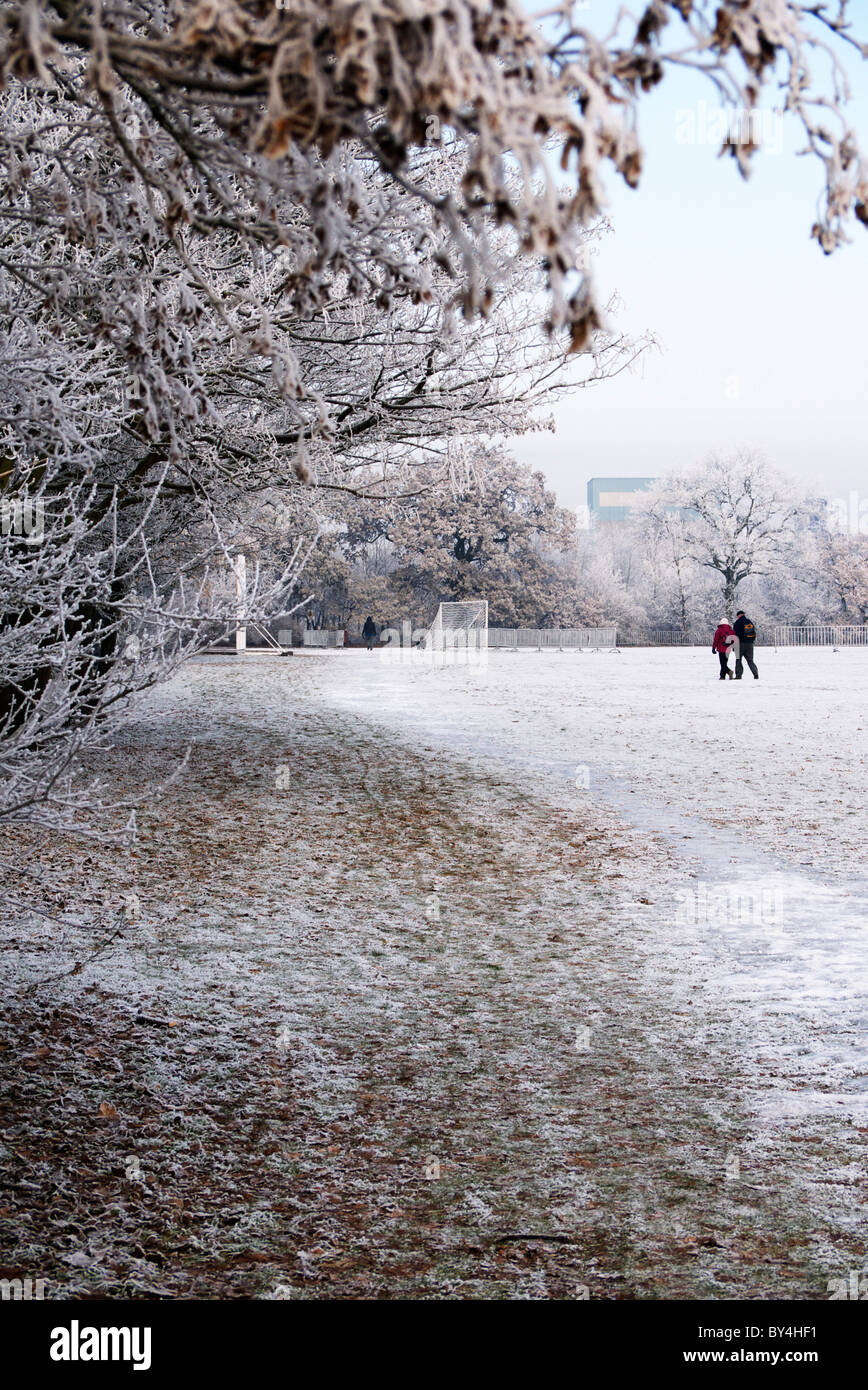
107	1111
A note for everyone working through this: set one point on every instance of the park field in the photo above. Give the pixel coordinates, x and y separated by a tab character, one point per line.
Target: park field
544	978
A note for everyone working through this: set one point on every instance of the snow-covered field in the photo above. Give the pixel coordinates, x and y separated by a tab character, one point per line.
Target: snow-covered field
541	980
759	789
784	759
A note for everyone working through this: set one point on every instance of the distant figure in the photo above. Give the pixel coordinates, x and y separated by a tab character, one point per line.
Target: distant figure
369	632
746	634
724	637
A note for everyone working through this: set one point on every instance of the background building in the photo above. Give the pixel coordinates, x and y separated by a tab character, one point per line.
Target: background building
612	499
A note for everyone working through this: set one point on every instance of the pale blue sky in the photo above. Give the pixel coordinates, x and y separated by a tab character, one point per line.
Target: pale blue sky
763	337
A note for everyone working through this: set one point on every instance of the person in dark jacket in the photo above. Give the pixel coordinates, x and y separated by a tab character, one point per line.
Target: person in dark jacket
746	634
724	636
369	632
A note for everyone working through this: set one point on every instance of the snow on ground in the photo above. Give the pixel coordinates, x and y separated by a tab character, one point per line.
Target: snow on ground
762	786
543	980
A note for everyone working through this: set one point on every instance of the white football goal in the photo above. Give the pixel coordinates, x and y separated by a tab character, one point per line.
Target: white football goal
458	635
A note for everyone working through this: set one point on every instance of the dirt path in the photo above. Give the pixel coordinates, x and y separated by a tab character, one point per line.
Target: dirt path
388	1026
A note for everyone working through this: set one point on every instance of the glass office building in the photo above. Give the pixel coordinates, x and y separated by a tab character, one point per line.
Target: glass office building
612	499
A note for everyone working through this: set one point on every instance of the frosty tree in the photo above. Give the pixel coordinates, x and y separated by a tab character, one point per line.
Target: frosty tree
232	115
494	529
844	570
100	596
612	579
670	546
735	517
149	404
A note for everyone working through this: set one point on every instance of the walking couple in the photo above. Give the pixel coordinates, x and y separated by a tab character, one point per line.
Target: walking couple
738	639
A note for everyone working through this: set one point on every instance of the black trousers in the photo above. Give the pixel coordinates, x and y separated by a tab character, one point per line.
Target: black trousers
745	653
723	657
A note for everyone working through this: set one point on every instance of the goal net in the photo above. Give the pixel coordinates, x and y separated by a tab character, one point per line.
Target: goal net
458	635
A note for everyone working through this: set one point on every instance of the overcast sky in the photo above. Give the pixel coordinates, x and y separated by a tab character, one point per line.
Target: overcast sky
763	338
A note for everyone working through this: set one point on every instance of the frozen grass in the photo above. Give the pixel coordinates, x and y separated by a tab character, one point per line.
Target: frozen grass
440	1024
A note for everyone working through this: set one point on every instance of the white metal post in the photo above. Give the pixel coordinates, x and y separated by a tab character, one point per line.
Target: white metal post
240	567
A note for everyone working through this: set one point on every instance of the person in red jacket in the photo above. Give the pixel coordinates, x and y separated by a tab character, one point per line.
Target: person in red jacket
724	637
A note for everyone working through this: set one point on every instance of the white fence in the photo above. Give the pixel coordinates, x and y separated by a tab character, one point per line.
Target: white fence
669	637
323	637
664	637
580	639
819	635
